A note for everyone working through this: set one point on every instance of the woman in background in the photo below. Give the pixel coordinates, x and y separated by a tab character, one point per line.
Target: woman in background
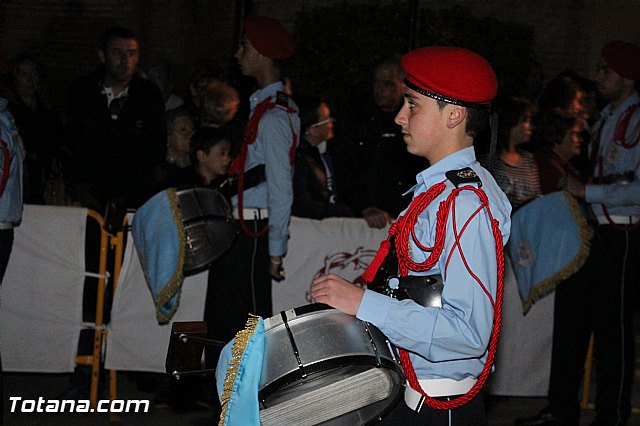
515	169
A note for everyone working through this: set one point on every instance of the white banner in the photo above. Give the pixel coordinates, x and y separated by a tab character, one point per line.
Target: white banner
41	295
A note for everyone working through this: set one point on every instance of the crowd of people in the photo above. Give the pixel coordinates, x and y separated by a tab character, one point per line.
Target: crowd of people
129	135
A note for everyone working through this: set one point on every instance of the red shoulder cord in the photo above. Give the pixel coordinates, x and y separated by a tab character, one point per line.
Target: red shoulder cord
6	166
237	166
403	227
620	138
620	135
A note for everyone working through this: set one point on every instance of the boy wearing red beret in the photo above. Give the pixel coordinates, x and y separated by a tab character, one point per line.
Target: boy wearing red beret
240	280
453	233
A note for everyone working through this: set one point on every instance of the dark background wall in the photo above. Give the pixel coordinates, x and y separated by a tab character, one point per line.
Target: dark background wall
63	33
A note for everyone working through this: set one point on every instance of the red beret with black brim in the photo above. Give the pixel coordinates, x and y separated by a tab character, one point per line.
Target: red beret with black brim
451	74
623	58
269	37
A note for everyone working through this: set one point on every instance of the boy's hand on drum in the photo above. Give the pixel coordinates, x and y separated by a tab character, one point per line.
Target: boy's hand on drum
338	293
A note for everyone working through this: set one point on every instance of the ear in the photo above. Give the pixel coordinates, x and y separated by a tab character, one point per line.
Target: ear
310	132
101	56
200	156
455	115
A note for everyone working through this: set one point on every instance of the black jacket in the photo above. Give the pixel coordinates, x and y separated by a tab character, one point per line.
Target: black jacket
117	156
310	194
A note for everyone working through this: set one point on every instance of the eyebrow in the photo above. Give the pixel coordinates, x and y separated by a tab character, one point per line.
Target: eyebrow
410	96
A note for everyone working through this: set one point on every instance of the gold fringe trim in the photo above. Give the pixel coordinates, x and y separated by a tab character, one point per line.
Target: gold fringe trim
548	285
174	285
237	351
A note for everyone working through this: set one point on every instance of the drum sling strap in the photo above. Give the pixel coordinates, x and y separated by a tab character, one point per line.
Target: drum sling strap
399	235
250	135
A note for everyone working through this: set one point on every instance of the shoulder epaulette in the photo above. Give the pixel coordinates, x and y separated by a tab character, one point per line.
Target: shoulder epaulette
462	176
282	99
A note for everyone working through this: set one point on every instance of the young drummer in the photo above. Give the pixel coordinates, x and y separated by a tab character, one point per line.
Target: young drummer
453	231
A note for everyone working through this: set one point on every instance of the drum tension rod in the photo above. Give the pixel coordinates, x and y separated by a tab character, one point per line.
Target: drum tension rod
179	374
185	338
283	314
373	344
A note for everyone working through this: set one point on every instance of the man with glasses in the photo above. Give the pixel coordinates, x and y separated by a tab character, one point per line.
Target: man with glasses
314	181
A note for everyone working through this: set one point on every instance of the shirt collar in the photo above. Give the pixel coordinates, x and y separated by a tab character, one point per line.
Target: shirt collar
435	172
609	110
266	92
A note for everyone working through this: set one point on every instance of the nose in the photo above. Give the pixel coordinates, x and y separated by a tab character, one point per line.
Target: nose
237	54
401	116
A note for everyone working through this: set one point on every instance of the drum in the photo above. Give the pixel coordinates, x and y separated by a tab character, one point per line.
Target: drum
209	227
322	366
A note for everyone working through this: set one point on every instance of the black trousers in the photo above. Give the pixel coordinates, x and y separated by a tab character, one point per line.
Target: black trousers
6	245
239	283
598	299
470	414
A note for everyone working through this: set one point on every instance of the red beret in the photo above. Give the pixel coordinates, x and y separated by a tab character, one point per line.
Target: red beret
623	58
451	74
269	37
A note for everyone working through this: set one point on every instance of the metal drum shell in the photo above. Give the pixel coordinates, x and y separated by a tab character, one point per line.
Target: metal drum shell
318	340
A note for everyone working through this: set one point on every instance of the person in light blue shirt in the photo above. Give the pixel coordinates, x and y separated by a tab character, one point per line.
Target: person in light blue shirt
455	228
240	280
601	297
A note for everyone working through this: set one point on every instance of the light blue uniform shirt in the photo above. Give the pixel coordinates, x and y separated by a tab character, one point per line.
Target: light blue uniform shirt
620	199
271	148
452	341
11	198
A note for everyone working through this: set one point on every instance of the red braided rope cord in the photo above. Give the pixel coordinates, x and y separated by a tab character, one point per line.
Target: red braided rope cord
620	135
404	227
620	138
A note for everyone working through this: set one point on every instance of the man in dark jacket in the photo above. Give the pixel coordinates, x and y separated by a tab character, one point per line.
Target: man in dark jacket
116	124
314	177
376	169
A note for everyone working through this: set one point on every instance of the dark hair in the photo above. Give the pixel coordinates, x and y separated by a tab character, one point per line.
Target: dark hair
204	139
552	128
308	110
204	71
21	58
476	119
173	114
114	32
558	93
392	61
511	110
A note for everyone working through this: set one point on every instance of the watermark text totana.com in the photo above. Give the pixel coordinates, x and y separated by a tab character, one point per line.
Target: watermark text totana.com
42	405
